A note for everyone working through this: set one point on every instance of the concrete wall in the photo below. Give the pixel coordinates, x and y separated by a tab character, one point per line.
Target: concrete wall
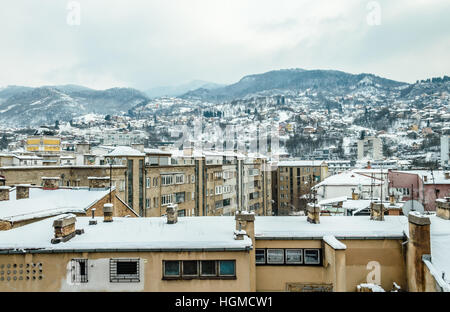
55	275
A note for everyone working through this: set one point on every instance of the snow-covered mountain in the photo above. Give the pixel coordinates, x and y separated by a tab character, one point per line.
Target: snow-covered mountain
181	89
22	106
330	82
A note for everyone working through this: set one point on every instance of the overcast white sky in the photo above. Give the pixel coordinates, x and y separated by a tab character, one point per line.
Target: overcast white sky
149	43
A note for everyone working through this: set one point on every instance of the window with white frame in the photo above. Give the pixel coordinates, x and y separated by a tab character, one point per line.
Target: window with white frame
147	182
179	179
166	180
192	178
166	199
219	190
147	202
294	256
275	256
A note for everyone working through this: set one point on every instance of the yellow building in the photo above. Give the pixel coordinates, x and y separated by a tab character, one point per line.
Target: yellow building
43	143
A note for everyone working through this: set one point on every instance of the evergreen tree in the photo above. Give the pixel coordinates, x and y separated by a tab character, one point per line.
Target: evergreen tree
4	143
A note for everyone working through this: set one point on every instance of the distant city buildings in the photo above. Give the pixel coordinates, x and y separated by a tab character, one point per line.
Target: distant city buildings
370	147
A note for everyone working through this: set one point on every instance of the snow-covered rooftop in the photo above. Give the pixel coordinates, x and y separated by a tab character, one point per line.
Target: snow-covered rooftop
338	226
301	163
349	178
215	233
125	151
438	176
44	203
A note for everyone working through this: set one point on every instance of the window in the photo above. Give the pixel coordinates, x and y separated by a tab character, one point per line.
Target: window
124	271
312	256
166	199
260	255
192	178
179	197
208	268
275	256
179	179
190	268
147	203
294	256
79	270
219	190
171	268
167	180
227	268
147	182
199	269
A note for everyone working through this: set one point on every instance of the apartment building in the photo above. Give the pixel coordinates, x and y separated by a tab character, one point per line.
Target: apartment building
370	147
202	183
43	144
222	254
292	183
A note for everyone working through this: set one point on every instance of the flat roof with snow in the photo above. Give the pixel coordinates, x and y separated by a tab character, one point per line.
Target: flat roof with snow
45	203
143	234
342	227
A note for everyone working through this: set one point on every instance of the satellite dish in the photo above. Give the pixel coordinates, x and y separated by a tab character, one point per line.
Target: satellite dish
412	205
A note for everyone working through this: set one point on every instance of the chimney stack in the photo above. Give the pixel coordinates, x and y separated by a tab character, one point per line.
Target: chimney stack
172	214
447	175
188	151
377	211
98	182
2	181
64	228
313	212
108	210
4	193
355	194
138	146
419	244
22	191
245	222
392	199
50	183
443	208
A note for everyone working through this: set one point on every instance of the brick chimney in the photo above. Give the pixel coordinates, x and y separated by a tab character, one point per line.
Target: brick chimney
50	183
418	245
443	208
22	191
108	210
172	214
64	228
313	213
4	193
447	175
98	182
377	211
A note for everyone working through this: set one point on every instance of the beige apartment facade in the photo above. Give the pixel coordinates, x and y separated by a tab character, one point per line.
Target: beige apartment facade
292	182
